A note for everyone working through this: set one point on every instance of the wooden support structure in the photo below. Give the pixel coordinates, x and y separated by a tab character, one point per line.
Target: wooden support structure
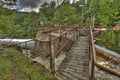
54	54
52	58
93	61
92	50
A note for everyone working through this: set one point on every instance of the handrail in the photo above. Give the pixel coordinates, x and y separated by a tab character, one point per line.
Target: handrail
50	29
57	36
61	49
54	52
92	51
65	33
44	41
93	55
52	47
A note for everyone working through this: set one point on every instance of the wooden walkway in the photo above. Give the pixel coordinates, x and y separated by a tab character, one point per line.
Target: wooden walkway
76	64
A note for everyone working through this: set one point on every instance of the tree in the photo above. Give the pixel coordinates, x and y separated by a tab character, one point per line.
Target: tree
106	12
66	14
110	39
47	10
7	25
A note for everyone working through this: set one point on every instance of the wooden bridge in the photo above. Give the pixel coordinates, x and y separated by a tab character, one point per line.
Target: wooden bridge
81	54
76	64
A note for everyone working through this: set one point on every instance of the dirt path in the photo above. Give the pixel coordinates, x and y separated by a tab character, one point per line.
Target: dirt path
15	69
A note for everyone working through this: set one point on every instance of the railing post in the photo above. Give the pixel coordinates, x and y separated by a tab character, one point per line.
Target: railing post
92	49
92	65
66	40
76	33
52	56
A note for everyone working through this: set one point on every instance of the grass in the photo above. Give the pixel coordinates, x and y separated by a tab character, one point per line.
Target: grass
15	66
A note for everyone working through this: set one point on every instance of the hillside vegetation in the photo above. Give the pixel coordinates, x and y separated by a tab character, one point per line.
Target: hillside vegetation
110	39
15	66
24	25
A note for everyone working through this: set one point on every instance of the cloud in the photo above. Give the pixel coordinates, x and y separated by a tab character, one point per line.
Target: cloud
33	5
29	3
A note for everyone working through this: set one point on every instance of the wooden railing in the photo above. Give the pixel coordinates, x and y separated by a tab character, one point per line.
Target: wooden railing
57	44
92	50
66	40
93	62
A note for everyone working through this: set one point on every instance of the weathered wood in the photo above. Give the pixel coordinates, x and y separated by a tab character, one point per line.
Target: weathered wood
93	56
107	69
92	48
52	57
75	66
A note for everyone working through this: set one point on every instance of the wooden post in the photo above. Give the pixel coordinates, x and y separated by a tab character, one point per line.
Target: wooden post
74	34
66	40
92	52
52	56
92	64
52	59
92	22
66	37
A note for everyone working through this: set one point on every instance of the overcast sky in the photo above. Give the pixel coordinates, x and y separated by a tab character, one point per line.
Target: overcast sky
32	5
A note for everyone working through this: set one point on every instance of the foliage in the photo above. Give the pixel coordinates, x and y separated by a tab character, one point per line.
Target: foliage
24	25
7	25
66	15
106	12
48	12
110	39
19	25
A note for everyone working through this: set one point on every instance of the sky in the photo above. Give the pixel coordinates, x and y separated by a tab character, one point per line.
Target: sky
32	5
72	1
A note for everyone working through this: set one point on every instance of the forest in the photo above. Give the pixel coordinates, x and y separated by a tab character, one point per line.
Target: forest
15	24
